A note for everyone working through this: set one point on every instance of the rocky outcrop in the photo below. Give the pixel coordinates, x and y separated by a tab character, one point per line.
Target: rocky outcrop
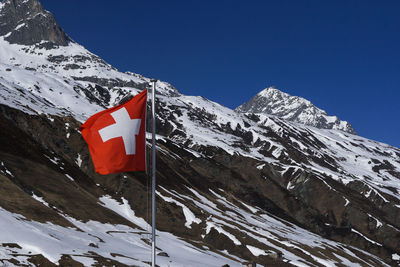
26	22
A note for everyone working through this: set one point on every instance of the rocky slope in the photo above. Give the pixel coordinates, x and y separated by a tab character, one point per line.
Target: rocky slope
272	101
232	187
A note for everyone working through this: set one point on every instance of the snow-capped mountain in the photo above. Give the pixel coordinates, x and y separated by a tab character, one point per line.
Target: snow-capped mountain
272	101
233	187
59	64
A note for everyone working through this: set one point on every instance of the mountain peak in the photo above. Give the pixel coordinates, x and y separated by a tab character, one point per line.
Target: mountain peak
276	94
272	101
26	22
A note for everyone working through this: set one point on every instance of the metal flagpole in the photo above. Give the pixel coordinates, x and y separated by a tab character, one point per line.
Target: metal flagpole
153	172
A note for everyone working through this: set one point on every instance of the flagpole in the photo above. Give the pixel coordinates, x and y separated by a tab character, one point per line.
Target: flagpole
153	172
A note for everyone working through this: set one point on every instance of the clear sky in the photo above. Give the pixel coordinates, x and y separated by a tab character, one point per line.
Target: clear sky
342	55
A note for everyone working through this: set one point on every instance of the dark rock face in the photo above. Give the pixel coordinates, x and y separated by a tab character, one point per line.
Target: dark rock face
26	22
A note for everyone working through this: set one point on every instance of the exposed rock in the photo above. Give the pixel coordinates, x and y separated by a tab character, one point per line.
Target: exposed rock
163	254
26	22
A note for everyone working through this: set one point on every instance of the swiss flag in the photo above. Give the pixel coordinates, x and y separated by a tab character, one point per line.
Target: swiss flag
116	137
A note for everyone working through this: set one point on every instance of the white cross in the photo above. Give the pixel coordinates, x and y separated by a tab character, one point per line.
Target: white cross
124	127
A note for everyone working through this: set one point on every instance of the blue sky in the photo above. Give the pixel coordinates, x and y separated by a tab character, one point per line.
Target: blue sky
342	55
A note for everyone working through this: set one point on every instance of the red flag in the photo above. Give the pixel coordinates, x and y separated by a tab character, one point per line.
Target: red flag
116	137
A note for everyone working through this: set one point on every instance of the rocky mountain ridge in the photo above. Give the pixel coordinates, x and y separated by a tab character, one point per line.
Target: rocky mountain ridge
232	187
26	22
272	101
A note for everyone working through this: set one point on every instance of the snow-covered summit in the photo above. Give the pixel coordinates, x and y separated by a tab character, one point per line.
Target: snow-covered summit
272	101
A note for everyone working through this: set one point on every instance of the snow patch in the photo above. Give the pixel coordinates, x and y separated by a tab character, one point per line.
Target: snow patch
189	215
69	177
41	200
222	231
78	160
256	251
123	209
261	166
4	170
